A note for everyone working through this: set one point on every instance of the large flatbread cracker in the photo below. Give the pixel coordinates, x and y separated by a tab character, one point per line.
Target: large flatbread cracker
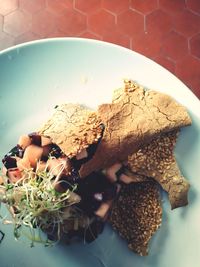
73	128
135	117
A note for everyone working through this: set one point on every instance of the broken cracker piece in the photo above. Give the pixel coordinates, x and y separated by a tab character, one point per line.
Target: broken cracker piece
135	117
157	160
137	214
73	128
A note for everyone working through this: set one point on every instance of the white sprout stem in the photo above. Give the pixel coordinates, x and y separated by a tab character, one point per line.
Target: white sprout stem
36	201
60	172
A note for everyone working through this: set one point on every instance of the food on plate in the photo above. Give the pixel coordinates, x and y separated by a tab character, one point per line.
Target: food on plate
86	219
83	168
73	128
137	214
120	172
157	160
134	118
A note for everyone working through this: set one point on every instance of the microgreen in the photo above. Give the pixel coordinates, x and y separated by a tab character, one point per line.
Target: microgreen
33	202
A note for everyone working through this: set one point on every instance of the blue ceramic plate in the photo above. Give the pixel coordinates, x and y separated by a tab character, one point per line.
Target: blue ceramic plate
36	76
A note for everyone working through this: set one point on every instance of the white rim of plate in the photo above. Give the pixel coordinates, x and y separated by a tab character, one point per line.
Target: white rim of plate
187	92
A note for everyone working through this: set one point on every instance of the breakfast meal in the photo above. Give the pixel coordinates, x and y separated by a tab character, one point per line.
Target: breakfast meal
85	168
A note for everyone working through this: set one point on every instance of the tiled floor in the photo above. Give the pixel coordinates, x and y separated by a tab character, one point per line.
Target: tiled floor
168	31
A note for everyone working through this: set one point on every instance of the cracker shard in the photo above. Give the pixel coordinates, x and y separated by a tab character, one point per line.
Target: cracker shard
73	128
137	214
134	118
157	160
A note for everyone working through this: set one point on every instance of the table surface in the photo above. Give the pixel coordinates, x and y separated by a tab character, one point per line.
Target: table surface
167	31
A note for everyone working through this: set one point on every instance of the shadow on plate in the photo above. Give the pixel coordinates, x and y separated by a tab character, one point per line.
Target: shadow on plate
192	199
188	139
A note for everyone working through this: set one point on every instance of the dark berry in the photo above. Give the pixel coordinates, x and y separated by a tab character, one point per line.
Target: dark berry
55	151
74	176
9	162
16	151
94	189
110	192
76	163
35	139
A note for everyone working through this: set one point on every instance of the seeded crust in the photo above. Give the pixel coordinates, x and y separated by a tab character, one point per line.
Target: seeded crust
157	160
134	118
137	223
73	128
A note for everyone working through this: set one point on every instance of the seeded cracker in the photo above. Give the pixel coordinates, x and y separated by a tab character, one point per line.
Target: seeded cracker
157	160
73	128
134	118
137	214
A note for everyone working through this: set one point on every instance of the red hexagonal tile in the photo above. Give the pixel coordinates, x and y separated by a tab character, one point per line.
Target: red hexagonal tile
43	23
116	6
193	5
7	6
195	46
26	37
171	6
72	22
117	37
144	6
58	7
56	34
101	22
17	23
6	40
131	22
175	46
187	70
88	6
90	35
147	44
187	23
158	23
32	6
165	62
